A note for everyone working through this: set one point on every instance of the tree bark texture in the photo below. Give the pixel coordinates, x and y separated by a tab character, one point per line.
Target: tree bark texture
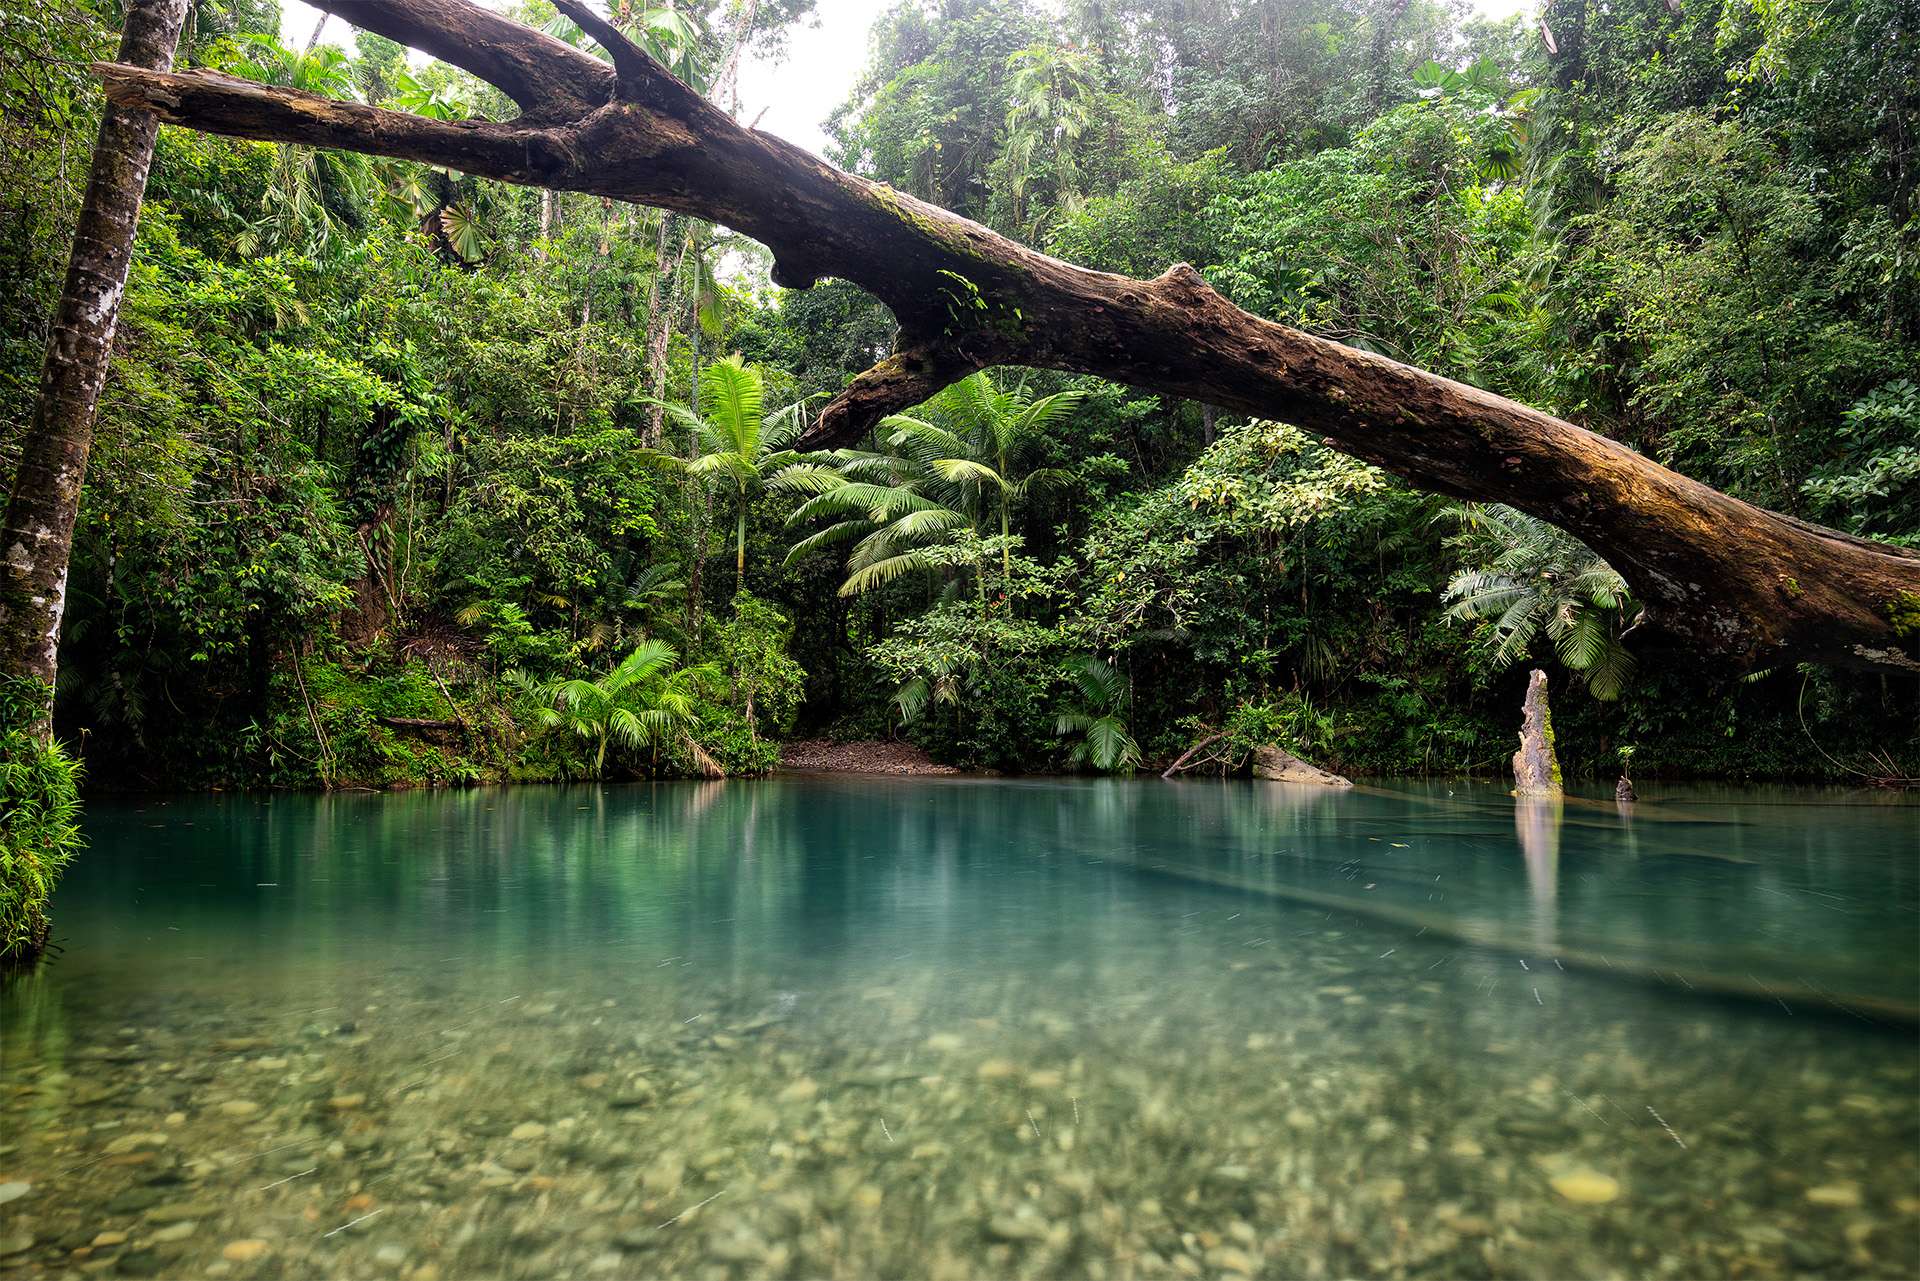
1536	766
36	540
1719	576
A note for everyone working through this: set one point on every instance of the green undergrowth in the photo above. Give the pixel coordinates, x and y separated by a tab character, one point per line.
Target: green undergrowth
39	829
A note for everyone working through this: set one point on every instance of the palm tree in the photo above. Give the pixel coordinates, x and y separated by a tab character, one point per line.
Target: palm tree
974	438
1052	95
880	502
1520	576
648	701
1100	721
952	469
740	445
314	195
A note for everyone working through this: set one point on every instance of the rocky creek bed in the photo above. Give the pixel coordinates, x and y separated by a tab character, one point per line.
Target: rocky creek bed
1252	1113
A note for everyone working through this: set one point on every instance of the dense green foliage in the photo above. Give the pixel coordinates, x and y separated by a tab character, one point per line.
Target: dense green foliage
39	806
406	478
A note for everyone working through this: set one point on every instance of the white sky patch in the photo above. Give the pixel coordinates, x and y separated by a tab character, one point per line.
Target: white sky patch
793	97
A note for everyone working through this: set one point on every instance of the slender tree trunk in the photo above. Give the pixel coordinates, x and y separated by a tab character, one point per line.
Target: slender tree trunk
36	541
740	548
659	328
313	37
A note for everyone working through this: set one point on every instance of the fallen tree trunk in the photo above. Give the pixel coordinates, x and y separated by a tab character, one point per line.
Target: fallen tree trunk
1180	761
420	723
1718	575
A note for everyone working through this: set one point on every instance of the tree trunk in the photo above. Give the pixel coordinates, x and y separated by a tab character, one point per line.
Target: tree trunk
1536	767
36	541
1719	576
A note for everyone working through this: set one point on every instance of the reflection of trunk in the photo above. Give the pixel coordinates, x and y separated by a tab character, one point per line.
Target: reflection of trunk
1536	821
37	537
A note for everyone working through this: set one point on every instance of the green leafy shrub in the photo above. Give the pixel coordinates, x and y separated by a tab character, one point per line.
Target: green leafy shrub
39	809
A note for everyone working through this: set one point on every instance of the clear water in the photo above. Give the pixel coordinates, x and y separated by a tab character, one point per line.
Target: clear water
956	1028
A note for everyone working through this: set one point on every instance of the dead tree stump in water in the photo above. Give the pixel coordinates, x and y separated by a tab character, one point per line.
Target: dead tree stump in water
1536	770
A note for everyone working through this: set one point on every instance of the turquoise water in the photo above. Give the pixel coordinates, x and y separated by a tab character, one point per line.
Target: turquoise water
955	1028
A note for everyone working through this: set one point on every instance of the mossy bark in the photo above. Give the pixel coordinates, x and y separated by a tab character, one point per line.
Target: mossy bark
1536	767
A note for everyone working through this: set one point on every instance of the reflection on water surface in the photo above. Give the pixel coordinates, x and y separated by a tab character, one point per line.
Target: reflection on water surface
956	1028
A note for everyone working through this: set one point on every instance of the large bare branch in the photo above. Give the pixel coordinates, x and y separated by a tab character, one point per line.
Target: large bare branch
1718	575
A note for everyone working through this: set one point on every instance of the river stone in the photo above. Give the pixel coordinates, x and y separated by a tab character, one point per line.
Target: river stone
134	1200
1586	1187
245	1251
18	1243
136	1143
528	1130
239	1108
1280	766
181	1211
1023	1226
1228	1259
140	1263
13	1191
176	1231
1843	1196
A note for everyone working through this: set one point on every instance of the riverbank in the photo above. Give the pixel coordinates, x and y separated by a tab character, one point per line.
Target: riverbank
863	756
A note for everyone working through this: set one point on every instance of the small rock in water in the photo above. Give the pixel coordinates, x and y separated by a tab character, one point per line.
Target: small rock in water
391	1255
1587	1187
1025	1226
182	1211
13	1191
663	1177
528	1130
176	1231
346	1102
245	1251
1466	1149
1842	1196
18	1243
239	1107
1228	1259
944	1042
997	1070
135	1143
800	1091
105	1239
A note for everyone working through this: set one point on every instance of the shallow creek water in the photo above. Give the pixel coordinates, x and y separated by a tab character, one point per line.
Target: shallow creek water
960	1028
